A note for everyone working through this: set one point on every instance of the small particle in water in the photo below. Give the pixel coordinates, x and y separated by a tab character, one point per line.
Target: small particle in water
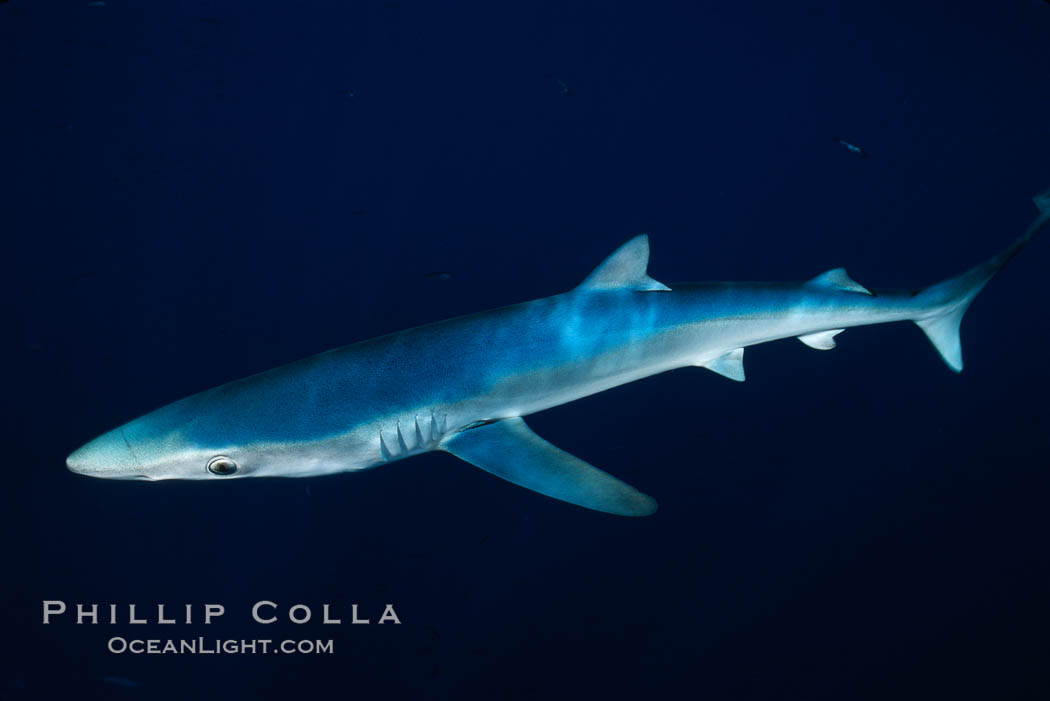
852	148
438	275
307	491
562	85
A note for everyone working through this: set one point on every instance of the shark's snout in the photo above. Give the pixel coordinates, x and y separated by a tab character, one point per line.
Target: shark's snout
109	455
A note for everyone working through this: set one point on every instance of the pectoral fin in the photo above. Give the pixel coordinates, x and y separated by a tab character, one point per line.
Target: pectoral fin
509	449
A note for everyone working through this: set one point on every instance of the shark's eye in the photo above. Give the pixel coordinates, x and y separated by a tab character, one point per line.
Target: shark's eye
222	466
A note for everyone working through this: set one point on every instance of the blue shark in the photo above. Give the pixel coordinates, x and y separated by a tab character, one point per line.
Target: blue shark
463	385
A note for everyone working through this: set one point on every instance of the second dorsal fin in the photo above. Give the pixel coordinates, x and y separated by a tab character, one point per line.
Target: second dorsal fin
838	279
625	269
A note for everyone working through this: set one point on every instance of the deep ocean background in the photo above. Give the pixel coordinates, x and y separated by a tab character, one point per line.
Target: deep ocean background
191	192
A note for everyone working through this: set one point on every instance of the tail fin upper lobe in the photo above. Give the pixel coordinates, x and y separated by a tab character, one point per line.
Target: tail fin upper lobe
946	302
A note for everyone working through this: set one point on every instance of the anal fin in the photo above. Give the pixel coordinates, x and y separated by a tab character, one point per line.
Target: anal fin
823	340
509	449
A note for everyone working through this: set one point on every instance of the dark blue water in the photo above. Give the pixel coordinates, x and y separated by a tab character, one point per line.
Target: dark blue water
192	192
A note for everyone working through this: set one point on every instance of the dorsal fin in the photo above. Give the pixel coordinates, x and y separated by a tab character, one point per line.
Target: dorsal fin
625	269
838	279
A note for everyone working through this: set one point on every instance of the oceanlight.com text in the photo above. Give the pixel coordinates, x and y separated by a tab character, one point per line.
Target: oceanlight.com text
216	646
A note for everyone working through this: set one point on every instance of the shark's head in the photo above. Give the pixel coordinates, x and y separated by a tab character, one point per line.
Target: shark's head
189	439
115	455
124	453
253	427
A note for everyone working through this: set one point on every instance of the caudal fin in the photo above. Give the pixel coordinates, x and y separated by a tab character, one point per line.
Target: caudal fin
946	302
